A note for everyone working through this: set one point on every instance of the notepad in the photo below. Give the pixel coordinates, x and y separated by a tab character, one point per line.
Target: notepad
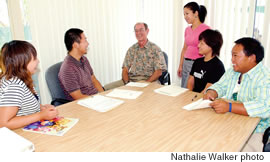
200	104
126	94
171	90
100	103
12	142
137	84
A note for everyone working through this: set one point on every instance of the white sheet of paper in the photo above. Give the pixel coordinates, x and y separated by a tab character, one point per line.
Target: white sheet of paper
100	103
126	94
136	84
171	90
200	104
12	142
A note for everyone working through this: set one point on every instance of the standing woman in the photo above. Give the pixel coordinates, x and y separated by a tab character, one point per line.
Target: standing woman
19	102
194	15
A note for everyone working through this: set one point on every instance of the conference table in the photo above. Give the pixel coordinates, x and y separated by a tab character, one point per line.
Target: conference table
152	122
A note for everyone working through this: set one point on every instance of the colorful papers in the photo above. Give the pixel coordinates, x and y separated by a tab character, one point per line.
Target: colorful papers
100	103
57	126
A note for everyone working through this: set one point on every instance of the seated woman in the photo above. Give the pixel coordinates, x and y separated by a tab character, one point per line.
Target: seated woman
208	69
19	102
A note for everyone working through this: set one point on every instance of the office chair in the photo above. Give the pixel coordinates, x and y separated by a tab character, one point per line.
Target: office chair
266	143
53	83
165	77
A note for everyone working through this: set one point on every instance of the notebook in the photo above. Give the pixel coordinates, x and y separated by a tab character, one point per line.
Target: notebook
171	90
100	103
200	104
126	94
137	84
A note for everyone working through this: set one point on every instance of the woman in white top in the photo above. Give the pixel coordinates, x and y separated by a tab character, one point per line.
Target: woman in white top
19	102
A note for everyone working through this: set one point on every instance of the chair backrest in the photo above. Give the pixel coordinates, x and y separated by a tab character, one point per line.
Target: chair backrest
166	58
266	143
53	82
165	77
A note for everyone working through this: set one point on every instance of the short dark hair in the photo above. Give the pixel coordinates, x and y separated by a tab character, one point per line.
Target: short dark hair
71	36
213	39
202	12
145	25
252	46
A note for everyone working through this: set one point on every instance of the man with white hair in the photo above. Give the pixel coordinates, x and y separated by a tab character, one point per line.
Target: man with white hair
144	60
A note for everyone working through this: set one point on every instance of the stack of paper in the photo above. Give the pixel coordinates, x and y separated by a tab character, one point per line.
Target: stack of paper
137	84
126	94
100	103
200	104
12	142
171	90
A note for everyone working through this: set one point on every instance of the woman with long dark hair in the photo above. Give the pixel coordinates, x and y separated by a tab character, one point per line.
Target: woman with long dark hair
195	15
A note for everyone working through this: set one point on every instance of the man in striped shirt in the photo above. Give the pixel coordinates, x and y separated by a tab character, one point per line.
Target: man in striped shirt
248	82
76	74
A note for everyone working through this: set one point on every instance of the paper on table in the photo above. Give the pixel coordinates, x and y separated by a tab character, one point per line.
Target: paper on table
200	104
12	142
137	84
57	126
171	90
127	94
100	103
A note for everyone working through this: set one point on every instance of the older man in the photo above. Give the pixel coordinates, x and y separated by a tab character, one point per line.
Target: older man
248	83
144	60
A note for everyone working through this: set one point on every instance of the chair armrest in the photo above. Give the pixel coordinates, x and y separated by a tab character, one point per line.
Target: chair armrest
59	101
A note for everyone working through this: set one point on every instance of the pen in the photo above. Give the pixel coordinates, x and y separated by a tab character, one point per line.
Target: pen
194	98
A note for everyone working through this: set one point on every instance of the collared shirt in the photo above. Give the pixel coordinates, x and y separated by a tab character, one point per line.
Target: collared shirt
76	75
254	92
143	62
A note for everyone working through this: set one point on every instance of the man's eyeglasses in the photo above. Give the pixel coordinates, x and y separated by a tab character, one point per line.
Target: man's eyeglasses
139	30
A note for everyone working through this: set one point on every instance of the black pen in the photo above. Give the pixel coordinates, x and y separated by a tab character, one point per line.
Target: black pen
194	98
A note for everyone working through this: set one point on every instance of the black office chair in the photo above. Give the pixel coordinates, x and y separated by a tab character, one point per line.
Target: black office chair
165	77
266	143
53	83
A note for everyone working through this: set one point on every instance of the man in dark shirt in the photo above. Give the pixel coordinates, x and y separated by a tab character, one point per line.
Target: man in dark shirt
76	74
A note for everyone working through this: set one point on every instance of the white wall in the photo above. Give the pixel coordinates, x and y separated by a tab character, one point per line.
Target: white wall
108	25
